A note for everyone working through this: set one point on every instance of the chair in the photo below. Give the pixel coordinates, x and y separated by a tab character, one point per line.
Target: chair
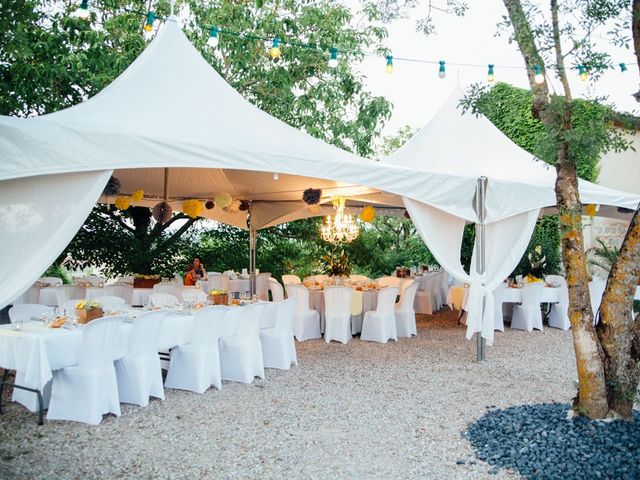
218	281
195	366
443	287
193	296
425	295
596	291
405	314
67	292
138	373
384	282
337	314
359	278
162	300
278	345
291	280
498	296
83	393
262	286
306	322
110	303
125	292
241	351
380	325
277	292
559	313
527	315
25	312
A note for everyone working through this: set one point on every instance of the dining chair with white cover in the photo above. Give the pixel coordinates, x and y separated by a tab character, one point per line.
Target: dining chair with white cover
241	357
306	322
405	314
337	314
359	278
596	291
162	300
110	303
278	344
195	366
193	296
262	286
384	282
24	312
380	325
67	292
291	280
498	296
527	315
120	290
138	373
443	287
218	281
277	292
559	313
85	392
423	302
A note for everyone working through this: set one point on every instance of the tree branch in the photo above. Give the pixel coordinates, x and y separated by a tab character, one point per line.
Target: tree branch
119	220
165	244
557	41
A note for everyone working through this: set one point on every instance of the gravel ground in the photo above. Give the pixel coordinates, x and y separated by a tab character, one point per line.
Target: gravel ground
359	410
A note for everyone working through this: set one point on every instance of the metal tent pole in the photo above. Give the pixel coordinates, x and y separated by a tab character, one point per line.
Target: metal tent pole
480	207
252	252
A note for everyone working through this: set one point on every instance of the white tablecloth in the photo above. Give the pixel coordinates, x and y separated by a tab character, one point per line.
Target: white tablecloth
457	297
369	299
239	285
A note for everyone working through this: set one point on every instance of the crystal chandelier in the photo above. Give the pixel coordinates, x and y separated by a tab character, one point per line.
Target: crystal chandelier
342	228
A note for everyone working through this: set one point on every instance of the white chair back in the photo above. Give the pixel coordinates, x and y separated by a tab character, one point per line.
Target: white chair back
291	280
67	292
532	294
277	292
94	280
98	339
384	282
408	297
386	300
146	331
337	300
110	303
596	291
248	324
163	300
218	281
262	286
26	311
192	295
69	306
50	281
284	316
209	325
359	278
301	294
123	291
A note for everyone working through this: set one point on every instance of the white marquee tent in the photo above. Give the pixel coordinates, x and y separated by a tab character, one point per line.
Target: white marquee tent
170	109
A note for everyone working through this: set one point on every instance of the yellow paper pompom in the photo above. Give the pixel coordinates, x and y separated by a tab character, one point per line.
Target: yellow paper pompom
368	214
223	200
192	207
234	206
590	210
137	195
122	203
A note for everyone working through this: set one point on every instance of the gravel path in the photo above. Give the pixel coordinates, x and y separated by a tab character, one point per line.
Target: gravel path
359	410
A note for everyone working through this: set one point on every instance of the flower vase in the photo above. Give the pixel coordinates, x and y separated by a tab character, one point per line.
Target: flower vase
85	316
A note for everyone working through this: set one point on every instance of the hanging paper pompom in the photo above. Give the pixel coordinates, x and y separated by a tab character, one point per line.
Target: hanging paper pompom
590	210
244	205
192	207
122	203
162	212
313	208
311	196
137	195
233	207
406	214
209	205
368	214
112	187
223	200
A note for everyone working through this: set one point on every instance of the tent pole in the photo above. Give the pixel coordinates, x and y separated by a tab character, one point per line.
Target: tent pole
252	252
481	195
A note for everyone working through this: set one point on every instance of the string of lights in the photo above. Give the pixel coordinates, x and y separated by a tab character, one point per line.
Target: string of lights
275	51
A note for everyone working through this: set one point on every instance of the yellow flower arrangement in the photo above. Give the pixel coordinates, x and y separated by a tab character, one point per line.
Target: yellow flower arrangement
87	305
532	279
192	207
137	195
123	203
368	214
590	210
223	200
217	292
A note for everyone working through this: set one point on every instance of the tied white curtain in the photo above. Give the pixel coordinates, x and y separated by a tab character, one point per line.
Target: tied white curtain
38	218
506	242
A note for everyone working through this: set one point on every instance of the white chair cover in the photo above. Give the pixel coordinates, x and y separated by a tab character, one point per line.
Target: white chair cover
380	326
67	292
306	322
359	278
559	314
405	314
425	295
110	303
337	314
218	281
162	300
527	315
241	351
278	345
196	365
25	312
125	292
291	280
85	392
596	291
193	296
498	296
277	292
262	286
138	373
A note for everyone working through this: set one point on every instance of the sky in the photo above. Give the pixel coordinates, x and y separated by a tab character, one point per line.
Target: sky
416	91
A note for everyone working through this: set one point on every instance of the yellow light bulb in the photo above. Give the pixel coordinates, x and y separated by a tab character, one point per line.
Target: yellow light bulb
274	53
148	27
584	76
389	68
